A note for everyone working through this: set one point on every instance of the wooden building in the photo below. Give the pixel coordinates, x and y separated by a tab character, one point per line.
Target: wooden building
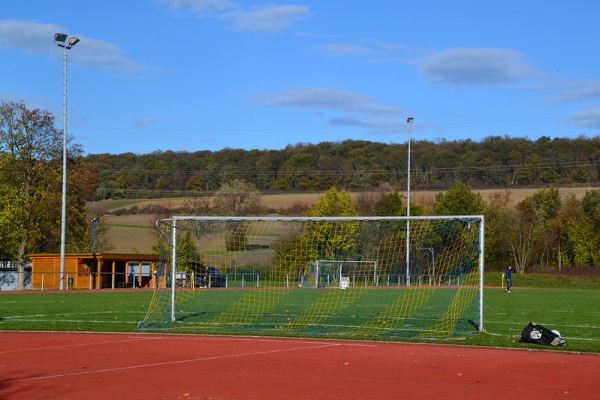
96	271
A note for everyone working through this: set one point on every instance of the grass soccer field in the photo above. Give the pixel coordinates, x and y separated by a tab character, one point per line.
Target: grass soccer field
329	313
571	311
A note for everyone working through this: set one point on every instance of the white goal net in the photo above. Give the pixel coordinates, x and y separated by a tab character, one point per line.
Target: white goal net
416	277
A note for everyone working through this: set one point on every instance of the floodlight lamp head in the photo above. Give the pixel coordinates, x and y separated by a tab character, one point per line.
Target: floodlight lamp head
60	37
409	120
73	41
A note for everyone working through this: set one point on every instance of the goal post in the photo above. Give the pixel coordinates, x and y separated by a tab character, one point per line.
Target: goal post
281	276
330	273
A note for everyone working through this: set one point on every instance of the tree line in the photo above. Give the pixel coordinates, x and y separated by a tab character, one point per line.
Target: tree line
494	162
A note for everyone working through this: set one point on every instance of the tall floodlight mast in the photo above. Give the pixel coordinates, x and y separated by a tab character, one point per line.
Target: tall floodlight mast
61	40
409	122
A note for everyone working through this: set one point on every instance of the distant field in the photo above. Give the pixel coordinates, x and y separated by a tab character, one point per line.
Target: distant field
287	200
269	201
136	234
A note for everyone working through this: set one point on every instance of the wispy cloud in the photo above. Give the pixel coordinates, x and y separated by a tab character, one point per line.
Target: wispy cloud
351	122
373	49
327	99
267	19
580	90
345	108
586	117
264	19
145	122
477	66
37	38
36	101
199	6
341	49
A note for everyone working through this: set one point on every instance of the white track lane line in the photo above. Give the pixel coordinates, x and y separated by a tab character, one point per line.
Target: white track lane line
193	360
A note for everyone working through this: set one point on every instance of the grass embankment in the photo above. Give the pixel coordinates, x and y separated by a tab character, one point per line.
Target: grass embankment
570	306
545	281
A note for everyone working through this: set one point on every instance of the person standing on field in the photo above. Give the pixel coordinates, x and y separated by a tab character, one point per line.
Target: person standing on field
508	278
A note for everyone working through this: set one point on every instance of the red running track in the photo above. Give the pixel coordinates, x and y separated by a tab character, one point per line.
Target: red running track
148	366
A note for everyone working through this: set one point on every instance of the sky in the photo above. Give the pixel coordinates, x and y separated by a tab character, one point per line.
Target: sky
193	75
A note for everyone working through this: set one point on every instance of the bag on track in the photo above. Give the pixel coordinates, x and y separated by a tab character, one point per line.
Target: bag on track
534	333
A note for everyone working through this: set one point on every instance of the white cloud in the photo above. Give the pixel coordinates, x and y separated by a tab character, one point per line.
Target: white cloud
476	66
36	101
37	38
376	51
199	6
145	122
351	122
345	108
327	99
587	117
267	19
341	49
28	36
581	90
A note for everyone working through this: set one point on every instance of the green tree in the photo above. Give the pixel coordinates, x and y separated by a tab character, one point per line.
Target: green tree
460	200
389	204
332	240
539	212
187	252
334	204
578	232
546	202
591	206
320	240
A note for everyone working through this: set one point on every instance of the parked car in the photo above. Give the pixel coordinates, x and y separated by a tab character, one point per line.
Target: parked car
208	276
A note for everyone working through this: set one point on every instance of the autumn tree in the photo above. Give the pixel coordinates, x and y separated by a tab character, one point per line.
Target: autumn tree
500	217
197	205
522	234
334	204
237	198
30	182
389	204
365	202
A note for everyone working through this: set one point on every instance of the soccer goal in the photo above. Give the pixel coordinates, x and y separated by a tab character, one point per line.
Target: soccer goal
332	273
352	277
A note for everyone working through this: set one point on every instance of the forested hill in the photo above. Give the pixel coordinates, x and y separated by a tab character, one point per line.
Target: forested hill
355	165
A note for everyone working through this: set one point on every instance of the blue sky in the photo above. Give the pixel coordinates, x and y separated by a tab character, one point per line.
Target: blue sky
189	75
